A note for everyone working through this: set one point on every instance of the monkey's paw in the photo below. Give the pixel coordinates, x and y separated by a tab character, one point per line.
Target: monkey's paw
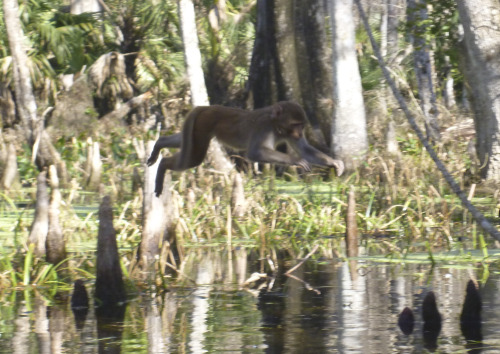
304	165
339	166
152	159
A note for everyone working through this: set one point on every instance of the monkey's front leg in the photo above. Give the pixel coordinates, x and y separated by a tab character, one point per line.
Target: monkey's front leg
267	155
315	156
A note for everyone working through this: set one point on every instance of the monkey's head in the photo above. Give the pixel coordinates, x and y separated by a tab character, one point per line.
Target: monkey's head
289	119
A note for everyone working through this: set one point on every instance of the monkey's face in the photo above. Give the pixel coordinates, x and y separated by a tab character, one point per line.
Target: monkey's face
296	130
290	129
289	120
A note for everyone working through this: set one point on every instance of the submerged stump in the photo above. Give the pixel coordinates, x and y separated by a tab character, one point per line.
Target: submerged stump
470	317
109	287
79	303
432	321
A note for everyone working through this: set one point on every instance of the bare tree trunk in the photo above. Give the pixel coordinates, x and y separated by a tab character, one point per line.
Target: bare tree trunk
38	139
394	11
448	90
383	92
80	6
349	135
263	68
313	66
392	28
482	43
286	51
417	14
26	104
194	69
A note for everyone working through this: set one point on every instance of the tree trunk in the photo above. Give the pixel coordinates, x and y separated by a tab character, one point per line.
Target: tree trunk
392	28
263	68
448	90
194	69
25	100
286	50
38	139
80	6
289	62
482	43
313	66
417	15
349	135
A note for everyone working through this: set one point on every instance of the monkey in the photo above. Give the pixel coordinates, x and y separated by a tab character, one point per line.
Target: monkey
255	132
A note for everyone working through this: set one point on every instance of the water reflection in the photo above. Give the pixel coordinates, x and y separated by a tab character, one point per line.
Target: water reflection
343	308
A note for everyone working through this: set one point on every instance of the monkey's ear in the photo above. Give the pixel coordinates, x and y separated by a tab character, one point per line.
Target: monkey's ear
277	110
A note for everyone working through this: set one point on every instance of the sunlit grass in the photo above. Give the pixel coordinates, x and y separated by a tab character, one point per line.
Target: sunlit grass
403	208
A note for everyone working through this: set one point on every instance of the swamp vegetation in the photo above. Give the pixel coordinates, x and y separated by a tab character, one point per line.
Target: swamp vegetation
261	258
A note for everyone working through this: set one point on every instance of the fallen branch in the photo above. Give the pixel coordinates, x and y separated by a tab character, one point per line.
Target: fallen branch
303	260
306	284
126	107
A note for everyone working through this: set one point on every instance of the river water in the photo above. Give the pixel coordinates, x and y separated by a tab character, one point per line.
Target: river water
325	306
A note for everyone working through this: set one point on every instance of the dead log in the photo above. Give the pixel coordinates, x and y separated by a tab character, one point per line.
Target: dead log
109	287
124	108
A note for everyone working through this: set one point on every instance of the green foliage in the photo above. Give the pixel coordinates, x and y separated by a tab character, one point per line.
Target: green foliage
61	41
445	32
440	31
227	47
371	74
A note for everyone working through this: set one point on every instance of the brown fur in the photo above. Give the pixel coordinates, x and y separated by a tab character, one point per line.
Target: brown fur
255	132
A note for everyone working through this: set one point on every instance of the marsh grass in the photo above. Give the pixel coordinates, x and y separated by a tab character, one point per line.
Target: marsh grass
403	207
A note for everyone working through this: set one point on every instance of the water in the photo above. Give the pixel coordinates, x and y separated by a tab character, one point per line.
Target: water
327	307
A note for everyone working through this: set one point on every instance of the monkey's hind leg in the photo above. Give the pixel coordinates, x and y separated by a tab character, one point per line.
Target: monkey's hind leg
172	141
160	175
